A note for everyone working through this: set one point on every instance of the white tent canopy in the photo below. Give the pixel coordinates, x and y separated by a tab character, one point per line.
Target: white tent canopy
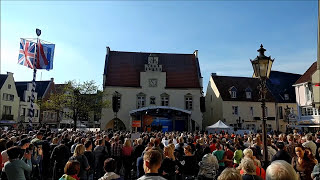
219	126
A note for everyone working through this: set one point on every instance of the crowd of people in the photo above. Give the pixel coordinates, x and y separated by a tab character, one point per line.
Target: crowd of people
103	155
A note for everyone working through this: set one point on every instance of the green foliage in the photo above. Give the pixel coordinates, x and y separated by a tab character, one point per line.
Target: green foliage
80	98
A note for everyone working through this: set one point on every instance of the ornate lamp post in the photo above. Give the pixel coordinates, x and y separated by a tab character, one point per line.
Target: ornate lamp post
115	108
287	111
262	67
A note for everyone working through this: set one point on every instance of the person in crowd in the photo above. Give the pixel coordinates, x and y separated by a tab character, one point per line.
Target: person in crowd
189	165
220	155
248	153
79	156
281	154
90	157
302	164
208	166
230	174
76	142
310	144
237	155
281	170
168	165
137	150
151	164
127	157
291	145
116	149
270	149
100	155
59	157
310	155
179	146
110	167
71	170
249	170
16	167
54	143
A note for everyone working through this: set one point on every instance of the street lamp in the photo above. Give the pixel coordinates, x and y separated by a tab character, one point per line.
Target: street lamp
262	67
287	111
115	108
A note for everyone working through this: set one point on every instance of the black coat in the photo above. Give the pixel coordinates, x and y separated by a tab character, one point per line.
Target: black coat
282	155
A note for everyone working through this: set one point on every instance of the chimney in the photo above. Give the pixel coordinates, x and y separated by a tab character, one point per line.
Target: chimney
108	50
196	53
213	74
52	79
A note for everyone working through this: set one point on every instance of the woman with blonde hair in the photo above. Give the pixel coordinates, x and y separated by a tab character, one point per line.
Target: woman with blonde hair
168	164
127	157
78	155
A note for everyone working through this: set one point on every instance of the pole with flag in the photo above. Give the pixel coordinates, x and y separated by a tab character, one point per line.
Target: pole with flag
35	55
31	110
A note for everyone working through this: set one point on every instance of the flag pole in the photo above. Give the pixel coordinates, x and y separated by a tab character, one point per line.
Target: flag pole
31	111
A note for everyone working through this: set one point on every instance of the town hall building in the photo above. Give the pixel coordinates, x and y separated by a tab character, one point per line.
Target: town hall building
152	91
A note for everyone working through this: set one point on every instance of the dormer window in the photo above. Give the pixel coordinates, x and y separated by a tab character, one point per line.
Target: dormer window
233	92
248	93
286	97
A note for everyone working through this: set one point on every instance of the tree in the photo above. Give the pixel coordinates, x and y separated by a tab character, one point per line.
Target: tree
79	98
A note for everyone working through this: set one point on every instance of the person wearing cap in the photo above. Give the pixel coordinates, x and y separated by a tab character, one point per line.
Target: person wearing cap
281	154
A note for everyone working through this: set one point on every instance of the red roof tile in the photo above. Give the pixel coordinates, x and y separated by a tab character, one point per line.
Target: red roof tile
123	69
307	76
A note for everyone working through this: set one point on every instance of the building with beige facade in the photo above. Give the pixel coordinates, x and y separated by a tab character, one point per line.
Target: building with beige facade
308	112
154	91
235	101
24	92
42	92
9	101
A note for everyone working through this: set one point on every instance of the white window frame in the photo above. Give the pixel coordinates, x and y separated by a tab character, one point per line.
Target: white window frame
248	95
141	100
164	99
7	110
188	102
233	94
286	97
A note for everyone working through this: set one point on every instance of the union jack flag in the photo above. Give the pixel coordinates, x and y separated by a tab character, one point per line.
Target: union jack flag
27	53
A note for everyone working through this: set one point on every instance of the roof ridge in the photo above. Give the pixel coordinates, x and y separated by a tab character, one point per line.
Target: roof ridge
152	52
235	77
286	72
305	73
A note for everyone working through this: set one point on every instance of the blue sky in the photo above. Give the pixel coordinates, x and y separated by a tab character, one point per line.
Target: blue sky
227	34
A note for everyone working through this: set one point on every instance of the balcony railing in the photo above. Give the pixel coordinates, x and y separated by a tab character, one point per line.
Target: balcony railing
7	117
